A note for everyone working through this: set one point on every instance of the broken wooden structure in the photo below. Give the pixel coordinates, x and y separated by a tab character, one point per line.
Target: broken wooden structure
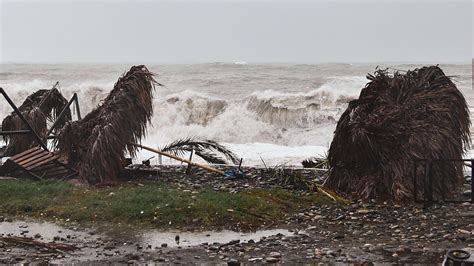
96	145
37	162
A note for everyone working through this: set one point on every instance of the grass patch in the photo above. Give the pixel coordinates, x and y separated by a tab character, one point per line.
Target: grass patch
151	203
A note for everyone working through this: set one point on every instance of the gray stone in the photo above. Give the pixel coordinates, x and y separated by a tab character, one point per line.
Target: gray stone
275	254
233	262
272	259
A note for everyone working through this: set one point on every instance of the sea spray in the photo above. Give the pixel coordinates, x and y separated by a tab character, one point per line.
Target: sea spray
259	110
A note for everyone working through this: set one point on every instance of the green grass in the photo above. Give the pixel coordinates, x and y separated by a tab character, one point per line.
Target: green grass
151	203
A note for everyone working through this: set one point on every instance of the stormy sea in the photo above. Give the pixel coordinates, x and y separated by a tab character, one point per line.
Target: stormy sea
272	113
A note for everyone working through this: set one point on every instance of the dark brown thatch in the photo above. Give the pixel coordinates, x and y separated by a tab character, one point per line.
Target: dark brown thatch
95	145
39	108
399	118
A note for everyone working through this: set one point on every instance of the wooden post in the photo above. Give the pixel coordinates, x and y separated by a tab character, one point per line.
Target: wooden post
160	159
188	169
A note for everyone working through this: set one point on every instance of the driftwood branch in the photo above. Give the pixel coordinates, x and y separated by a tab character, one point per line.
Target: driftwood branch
53	247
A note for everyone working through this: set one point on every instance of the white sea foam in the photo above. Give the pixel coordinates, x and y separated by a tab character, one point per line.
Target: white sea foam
280	113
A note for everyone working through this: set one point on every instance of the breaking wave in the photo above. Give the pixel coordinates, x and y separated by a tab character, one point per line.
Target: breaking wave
281	113
268	116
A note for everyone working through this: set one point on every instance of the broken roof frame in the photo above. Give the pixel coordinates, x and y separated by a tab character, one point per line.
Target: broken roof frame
40	157
30	130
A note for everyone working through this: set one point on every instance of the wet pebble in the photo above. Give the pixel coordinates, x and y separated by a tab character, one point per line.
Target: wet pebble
275	254
233	262
272	259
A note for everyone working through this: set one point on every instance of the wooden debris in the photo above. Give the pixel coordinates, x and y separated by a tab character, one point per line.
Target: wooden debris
39	108
205	167
25	241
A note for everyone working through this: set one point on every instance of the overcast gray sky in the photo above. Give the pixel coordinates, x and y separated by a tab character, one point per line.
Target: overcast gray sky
228	31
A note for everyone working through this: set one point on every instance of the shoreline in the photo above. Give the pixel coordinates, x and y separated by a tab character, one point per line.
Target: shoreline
319	230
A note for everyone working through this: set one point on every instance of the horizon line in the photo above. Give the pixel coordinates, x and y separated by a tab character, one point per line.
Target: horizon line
240	63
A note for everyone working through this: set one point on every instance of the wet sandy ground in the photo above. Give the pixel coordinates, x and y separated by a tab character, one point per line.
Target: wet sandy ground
357	233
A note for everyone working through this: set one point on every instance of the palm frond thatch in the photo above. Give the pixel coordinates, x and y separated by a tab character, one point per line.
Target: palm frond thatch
208	150
397	119
39	108
96	144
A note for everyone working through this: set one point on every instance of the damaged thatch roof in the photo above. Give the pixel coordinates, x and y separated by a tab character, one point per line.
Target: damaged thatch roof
399	118
96	145
38	108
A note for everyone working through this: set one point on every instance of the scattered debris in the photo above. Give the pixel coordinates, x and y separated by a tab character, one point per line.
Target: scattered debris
39	164
51	247
205	167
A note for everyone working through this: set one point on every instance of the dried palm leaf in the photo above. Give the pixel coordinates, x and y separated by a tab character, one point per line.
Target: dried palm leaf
397	119
39	108
96	144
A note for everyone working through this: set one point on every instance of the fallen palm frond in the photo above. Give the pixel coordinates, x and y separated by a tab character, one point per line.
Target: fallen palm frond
208	150
39	108
96	144
296	180
397	119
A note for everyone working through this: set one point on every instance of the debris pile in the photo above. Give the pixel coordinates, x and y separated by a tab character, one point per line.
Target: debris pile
96	144
39	108
397	119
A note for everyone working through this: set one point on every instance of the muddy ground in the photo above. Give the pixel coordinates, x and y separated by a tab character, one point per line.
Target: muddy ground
356	233
361	233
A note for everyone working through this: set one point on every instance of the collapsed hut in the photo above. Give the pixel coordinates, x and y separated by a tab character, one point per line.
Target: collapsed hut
38	109
399	118
96	145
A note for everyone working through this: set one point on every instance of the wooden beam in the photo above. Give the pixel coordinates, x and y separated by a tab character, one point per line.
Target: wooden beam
205	167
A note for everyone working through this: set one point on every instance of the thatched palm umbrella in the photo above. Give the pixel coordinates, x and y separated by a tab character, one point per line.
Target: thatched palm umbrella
96	145
399	118
39	108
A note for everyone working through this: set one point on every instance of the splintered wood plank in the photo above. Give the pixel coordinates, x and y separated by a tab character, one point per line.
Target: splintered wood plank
20	159
37	160
45	161
23	153
23	162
